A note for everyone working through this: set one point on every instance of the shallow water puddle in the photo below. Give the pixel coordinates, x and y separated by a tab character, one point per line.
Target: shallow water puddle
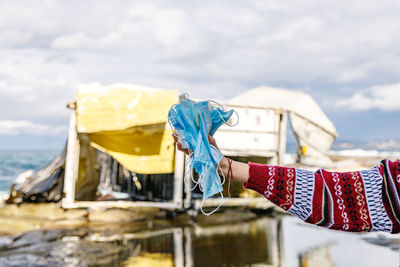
238	244
261	241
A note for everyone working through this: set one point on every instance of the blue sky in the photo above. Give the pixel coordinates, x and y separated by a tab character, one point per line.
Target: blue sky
346	54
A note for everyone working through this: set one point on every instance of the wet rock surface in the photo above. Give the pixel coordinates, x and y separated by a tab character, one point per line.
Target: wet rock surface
161	242
62	247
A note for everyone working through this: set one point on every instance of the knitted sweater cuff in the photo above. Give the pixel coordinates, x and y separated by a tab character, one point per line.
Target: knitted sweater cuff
258	174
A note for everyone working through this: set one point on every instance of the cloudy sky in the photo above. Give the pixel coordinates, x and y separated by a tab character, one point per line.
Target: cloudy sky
346	54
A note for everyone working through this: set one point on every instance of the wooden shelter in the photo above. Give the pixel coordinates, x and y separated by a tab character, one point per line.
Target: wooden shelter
120	152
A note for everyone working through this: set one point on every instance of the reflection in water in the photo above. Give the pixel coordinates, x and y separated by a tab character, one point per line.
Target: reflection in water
317	257
344	249
153	249
230	244
261	241
150	260
239	244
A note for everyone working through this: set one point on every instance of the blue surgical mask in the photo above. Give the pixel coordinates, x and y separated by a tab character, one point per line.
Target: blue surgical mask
219	117
193	122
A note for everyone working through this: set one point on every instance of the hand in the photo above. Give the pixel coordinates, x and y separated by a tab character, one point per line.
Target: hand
211	140
179	145
240	171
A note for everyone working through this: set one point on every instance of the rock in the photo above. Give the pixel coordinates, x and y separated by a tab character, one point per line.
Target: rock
5	241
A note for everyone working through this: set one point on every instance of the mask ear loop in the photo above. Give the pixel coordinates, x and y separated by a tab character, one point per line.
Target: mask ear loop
183	97
222	196
223	109
169	119
214	210
189	166
223	176
218	164
172	127
173	108
226	122
201	180
237	121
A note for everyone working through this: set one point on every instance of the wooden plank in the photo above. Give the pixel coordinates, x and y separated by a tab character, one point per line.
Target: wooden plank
119	204
248	131
72	162
179	174
189	262
187	186
282	137
260	203
179	256
249	153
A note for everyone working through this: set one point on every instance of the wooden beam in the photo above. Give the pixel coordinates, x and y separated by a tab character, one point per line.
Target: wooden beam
179	174
179	256
259	202
187	186
119	204
282	137
71	162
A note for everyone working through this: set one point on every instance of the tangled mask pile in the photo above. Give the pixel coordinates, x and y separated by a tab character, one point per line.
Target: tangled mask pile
193	122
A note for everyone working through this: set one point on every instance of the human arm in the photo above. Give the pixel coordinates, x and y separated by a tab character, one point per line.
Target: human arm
358	201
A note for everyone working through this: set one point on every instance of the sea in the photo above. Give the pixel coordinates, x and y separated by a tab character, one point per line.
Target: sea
14	162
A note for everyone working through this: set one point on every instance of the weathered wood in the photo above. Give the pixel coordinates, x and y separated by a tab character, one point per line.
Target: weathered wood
72	162
179	175
259	203
119	204
282	137
179	256
187	186
188	248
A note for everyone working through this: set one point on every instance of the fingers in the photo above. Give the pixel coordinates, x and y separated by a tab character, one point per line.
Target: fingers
175	137
212	141
179	145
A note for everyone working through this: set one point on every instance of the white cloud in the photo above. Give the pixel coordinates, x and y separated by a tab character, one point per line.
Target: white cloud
10	127
68	41
300	43
212	49
350	75
385	97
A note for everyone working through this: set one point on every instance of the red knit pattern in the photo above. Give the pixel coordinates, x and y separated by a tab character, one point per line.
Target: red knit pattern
350	202
366	200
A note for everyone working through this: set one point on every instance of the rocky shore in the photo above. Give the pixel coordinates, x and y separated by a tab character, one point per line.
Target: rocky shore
108	238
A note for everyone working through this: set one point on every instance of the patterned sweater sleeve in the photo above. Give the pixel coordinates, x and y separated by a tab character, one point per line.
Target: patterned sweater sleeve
360	201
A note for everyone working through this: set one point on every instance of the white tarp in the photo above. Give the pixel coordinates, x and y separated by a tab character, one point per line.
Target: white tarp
314	131
298	102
